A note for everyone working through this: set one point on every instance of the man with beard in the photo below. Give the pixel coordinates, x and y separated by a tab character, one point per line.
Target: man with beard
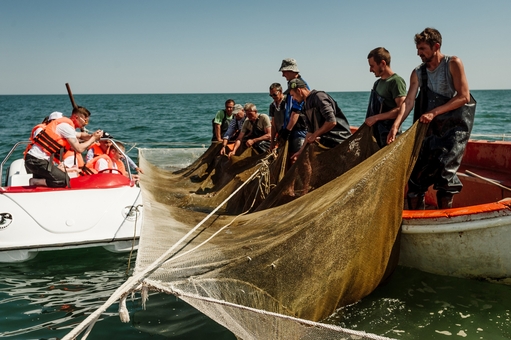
445	103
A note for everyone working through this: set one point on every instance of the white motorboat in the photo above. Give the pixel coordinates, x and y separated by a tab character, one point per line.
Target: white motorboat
102	209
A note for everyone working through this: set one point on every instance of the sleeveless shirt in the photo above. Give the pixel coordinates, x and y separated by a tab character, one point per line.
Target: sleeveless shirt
440	79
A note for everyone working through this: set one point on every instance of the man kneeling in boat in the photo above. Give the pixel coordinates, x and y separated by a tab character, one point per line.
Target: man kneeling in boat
326	123
50	145
257	127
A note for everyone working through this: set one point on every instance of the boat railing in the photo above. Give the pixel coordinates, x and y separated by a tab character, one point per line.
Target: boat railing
124	157
13	149
497	137
8	156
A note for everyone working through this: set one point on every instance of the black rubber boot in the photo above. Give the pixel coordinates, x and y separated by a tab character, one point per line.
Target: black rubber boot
415	201
444	199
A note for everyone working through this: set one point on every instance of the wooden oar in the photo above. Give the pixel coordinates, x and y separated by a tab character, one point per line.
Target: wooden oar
83	129
488	180
71	96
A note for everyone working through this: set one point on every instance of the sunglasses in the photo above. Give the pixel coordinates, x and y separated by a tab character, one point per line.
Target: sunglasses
85	120
274	94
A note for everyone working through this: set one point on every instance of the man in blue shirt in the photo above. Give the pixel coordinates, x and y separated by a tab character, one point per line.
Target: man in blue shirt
294	128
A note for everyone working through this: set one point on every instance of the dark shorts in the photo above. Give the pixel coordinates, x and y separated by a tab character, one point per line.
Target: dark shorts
40	168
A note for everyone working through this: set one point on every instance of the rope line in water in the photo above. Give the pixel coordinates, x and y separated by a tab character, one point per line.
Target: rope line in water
136	280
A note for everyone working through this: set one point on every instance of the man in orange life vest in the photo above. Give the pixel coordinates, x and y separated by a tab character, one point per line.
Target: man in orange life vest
51	143
111	161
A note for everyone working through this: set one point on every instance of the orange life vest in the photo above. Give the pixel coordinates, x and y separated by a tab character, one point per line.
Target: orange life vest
50	141
31	138
78	157
119	165
92	163
97	149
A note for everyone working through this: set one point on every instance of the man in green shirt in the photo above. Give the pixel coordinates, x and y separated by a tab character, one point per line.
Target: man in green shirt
388	93
222	120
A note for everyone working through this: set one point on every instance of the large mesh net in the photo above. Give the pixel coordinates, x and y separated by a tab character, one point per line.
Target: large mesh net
267	254
306	250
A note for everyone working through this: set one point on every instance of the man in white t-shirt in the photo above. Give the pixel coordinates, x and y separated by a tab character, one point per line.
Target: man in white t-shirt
58	134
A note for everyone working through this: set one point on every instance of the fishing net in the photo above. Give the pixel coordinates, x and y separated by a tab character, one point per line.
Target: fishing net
317	239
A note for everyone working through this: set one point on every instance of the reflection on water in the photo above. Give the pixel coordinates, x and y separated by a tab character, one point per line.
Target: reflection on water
56	289
46	297
416	305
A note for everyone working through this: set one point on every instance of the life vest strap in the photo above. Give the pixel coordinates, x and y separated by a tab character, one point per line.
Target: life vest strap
49	144
86	171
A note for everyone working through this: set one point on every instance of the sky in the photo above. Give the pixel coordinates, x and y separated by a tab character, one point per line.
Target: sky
220	46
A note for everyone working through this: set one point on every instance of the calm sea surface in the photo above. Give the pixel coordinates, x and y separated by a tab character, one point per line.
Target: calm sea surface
43	298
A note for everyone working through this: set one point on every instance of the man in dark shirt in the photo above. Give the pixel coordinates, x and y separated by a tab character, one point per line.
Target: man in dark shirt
326	123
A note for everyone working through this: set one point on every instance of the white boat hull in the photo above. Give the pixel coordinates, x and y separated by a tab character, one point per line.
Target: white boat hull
57	220
39	219
471	246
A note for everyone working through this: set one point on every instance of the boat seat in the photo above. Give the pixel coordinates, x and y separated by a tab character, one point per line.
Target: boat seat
17	175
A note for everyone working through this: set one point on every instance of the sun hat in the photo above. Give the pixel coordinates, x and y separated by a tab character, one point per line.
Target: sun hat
237	108
55	115
289	64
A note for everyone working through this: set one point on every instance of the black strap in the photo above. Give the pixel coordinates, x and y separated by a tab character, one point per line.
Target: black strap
424	76
47	142
86	171
422	105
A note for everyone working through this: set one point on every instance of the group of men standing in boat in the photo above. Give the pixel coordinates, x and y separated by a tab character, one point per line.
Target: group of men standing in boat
302	116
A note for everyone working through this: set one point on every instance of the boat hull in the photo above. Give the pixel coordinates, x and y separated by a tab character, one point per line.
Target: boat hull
473	239
472	244
41	220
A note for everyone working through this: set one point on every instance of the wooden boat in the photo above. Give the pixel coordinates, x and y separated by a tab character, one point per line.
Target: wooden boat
473	238
103	209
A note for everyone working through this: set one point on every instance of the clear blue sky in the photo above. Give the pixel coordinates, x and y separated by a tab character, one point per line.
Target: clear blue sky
157	46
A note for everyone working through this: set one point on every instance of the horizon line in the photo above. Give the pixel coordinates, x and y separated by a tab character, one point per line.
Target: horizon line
185	93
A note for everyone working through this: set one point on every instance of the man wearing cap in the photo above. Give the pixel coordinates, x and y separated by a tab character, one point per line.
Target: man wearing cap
40	127
234	126
257	128
50	144
294	128
222	120
326	123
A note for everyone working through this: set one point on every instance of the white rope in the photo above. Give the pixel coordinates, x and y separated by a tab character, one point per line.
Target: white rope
134	235
264	164
309	323
137	279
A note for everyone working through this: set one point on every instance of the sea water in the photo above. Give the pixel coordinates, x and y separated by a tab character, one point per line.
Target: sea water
43	298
